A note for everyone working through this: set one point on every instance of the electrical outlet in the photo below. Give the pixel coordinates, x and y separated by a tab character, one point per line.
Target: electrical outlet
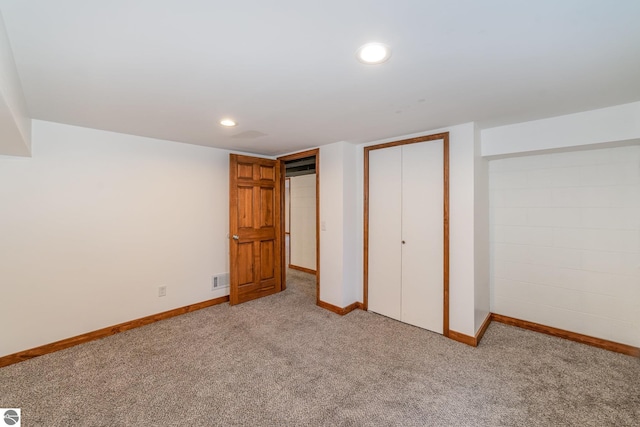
162	291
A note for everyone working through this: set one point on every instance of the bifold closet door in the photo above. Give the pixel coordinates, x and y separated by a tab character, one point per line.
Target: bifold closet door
406	233
423	234
385	232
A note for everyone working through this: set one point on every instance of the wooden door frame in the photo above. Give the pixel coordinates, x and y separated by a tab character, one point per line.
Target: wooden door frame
314	152
287	212
444	136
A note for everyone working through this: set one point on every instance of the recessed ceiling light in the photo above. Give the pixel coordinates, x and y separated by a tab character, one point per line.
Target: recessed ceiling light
373	53
228	122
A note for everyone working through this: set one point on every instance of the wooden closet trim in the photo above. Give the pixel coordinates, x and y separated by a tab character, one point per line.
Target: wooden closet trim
445	158
315	152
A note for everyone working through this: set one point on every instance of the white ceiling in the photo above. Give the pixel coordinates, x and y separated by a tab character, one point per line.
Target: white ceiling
286	70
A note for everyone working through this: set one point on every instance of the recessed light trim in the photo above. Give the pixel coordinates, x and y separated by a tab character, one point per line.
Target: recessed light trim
373	53
228	123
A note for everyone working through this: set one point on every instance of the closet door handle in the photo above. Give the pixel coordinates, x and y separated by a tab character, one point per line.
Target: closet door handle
236	237
403	242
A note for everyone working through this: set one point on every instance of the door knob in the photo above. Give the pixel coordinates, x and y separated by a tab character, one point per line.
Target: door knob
236	237
403	242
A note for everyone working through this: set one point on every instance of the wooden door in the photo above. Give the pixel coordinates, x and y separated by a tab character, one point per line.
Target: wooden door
254	228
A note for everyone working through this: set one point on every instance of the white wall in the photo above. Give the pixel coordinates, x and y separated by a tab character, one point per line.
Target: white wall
332	223
620	123
481	235
303	221
566	241
462	229
352	216
340	250
96	221
15	123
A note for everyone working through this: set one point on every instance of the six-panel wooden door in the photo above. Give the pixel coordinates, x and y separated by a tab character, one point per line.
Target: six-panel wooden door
255	228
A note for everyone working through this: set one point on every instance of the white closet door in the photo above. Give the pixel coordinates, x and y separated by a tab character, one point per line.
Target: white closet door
423	234
385	206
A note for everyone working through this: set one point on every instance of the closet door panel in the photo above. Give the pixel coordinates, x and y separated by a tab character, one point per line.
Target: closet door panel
385	215
423	234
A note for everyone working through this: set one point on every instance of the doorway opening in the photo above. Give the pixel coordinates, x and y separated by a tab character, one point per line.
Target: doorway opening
301	207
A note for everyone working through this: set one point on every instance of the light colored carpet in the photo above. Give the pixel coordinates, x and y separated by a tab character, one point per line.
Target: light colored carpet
282	361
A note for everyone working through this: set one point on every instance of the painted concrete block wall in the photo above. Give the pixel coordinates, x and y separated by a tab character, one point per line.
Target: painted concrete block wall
566	241
303	221
95	222
15	123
